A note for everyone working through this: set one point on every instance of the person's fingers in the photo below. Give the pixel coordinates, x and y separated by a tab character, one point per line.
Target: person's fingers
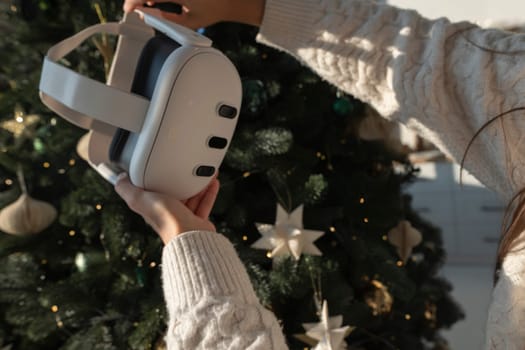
180	2
208	200
147	204
130	5
133	196
194	202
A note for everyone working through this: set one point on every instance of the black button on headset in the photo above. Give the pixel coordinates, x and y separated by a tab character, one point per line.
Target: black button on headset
205	171
227	111
217	142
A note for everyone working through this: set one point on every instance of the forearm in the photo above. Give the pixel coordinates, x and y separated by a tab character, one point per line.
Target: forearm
211	302
425	74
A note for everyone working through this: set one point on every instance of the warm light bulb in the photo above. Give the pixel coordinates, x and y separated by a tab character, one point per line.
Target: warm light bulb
54	308
46	165
72	233
98	206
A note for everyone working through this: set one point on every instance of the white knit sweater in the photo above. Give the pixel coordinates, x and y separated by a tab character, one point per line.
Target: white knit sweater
429	75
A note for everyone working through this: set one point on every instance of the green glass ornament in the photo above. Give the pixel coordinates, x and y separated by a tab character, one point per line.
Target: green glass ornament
39	146
140	274
343	106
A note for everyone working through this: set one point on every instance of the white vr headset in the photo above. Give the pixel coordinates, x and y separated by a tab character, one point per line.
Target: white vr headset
167	113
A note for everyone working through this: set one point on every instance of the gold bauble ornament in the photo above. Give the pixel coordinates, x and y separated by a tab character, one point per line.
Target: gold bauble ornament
161	344
404	237
379	298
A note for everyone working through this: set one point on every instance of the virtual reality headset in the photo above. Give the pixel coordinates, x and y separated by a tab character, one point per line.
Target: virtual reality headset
167	113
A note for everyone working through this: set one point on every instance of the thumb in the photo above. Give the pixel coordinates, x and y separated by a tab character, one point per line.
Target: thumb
132	195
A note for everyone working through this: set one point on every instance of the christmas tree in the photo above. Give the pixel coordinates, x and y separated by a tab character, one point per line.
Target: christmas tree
79	270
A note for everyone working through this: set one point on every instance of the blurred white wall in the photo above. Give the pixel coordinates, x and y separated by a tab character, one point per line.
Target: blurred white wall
482	12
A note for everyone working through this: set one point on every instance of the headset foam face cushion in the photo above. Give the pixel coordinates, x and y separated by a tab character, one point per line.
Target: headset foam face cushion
150	63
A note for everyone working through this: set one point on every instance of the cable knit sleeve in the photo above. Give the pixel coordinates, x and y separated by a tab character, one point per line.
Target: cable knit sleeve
506	314
210	300
444	80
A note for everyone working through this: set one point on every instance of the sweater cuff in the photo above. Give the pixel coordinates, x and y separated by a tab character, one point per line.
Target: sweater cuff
284	18
201	264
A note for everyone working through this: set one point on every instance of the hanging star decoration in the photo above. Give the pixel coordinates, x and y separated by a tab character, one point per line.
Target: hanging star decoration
22	124
404	237
328	333
287	236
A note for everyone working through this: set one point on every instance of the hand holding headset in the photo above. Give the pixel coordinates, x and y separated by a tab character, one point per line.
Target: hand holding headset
167	113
